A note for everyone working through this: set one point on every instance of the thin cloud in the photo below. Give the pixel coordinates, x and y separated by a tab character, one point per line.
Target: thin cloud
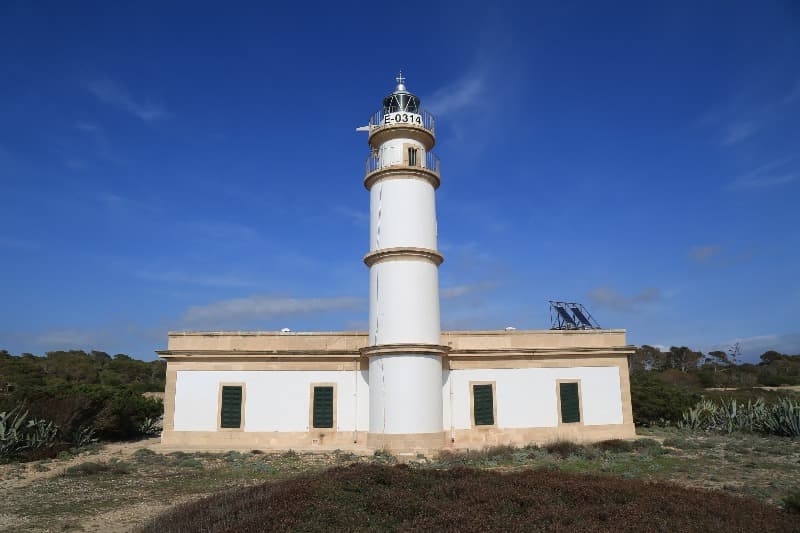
266	307
614	299
457	291
774	173
357	217
704	253
18	244
112	93
753	347
458	95
738	131
204	280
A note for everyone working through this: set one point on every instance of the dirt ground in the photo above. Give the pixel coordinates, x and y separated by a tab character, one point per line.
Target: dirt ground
118	487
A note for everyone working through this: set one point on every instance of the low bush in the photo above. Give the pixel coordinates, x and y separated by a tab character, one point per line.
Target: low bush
376	497
91	468
564	448
791	503
615	446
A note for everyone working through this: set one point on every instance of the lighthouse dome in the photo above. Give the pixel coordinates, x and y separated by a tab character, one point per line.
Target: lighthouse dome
400	99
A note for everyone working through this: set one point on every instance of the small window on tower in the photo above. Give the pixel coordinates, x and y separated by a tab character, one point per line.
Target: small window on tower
412	157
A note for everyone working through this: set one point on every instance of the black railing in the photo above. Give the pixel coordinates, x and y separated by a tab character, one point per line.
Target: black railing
422	119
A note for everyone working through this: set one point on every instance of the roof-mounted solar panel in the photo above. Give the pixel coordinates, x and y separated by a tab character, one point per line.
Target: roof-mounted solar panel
571	315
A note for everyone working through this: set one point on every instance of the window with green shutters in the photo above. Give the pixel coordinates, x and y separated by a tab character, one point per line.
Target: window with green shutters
483	405
570	403
231	408
323	407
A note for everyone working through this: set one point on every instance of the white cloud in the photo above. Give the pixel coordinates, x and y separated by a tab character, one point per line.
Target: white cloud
753	347
266	307
111	93
614	299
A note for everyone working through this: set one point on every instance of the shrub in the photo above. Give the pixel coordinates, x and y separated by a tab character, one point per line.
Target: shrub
564	448
91	468
189	462
657	403
791	503
615	446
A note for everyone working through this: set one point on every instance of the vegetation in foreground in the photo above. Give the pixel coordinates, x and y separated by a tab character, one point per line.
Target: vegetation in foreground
399	498
69	399
117	487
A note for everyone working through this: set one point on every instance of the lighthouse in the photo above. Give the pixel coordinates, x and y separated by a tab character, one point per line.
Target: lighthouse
404	346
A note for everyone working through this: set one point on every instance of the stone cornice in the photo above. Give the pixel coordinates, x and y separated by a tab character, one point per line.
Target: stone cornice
405	252
383	133
403	349
402	172
259	354
541	353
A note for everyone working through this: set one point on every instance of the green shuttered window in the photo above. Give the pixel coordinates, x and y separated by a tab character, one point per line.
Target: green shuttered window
483	405
231	409
570	403
323	407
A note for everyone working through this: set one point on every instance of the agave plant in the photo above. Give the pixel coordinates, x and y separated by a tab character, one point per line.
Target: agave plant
19	433
780	418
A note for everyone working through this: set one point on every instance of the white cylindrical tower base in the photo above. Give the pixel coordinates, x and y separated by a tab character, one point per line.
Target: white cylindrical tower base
405	402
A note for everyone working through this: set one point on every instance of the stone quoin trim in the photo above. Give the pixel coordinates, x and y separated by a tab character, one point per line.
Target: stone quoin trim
405	253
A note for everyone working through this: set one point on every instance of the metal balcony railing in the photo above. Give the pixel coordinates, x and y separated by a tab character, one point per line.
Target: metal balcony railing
426	120
431	163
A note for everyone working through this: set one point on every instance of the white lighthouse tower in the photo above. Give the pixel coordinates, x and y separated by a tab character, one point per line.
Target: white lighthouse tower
405	355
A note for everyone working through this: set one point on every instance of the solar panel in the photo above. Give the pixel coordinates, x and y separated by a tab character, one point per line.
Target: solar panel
565	316
581	317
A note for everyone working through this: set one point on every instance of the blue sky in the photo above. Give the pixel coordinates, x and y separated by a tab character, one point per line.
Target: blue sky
196	166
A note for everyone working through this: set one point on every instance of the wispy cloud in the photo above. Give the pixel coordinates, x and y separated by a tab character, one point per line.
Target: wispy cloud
114	94
19	244
266	307
704	253
457	291
204	280
217	230
777	172
614	299
356	216
460	94
737	132
753	347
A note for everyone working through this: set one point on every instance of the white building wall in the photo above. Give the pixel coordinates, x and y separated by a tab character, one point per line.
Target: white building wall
274	400
528	397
